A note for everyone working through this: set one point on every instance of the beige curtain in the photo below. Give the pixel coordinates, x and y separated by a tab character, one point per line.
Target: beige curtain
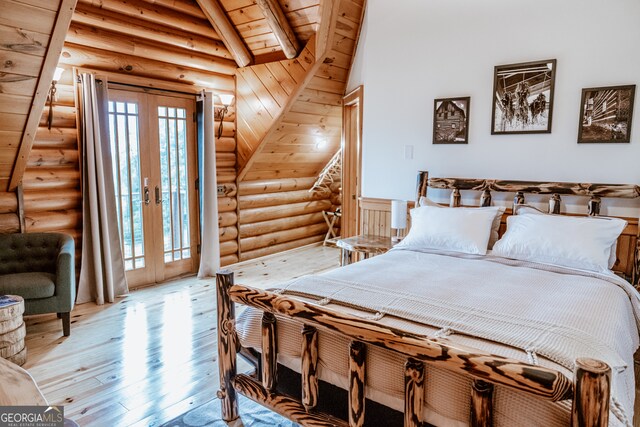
210	241
102	276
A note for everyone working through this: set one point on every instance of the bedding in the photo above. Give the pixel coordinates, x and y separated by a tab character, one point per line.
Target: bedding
464	230
571	241
543	314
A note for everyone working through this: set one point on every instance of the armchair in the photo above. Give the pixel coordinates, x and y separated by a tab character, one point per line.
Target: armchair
40	267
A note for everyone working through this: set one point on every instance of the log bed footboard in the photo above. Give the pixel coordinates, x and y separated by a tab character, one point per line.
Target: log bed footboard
590	389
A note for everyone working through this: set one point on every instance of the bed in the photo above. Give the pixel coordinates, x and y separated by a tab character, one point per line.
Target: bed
487	340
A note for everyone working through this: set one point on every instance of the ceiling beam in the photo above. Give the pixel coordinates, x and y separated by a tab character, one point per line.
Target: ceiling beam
280	26
227	32
63	19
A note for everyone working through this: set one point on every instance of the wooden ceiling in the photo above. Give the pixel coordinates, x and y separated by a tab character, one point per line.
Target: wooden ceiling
175	41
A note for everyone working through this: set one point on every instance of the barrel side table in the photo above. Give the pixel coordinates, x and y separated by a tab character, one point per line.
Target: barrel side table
12	329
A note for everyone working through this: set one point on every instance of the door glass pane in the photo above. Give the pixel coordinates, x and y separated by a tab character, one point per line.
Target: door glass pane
125	151
172	125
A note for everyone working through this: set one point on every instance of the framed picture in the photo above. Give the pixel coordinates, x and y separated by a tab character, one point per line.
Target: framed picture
523	97
451	120
606	113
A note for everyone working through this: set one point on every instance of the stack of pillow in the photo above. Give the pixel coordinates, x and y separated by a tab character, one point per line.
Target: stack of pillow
585	243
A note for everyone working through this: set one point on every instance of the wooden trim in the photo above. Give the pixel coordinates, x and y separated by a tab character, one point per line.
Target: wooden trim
283	405
591	396
481	403
60	28
351	163
280	26
627	191
226	345
20	210
413	392
218	18
536	380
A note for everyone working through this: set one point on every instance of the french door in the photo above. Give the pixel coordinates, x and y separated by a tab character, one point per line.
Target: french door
154	173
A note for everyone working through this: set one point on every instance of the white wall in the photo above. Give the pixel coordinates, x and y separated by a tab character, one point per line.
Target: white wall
412	51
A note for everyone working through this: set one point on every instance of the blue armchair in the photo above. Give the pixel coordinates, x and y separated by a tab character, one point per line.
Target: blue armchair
40	267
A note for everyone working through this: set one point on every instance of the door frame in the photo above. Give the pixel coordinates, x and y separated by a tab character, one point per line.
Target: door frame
351	161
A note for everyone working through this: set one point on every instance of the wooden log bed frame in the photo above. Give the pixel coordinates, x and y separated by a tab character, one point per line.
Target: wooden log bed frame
589	389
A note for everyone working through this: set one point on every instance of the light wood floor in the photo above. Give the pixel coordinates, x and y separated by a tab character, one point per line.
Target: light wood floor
152	355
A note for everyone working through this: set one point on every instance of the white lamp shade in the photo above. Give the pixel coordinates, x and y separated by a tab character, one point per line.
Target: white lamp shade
398	214
226	99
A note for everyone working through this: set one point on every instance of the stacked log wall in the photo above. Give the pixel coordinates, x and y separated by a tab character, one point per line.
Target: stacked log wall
280	214
226	176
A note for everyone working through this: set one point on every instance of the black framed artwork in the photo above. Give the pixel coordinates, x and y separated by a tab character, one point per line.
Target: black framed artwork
451	120
523	97
606	114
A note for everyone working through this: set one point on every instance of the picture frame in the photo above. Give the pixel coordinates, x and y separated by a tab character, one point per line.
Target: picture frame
606	114
451	120
523	97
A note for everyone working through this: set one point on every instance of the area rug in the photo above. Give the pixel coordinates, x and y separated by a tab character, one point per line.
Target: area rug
251	415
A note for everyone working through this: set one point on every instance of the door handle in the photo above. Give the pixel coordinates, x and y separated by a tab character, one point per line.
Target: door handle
158	199
146	195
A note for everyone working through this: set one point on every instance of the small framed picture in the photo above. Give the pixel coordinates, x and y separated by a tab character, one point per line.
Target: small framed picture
606	113
523	97
451	120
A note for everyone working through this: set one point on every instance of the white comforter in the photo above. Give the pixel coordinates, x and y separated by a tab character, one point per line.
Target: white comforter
545	311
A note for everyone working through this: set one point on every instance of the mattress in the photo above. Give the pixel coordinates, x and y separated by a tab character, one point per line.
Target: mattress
451	283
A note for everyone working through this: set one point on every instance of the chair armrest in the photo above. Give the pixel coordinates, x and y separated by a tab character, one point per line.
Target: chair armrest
66	273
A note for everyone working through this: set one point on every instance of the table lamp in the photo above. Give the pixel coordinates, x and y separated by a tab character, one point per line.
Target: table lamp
398	218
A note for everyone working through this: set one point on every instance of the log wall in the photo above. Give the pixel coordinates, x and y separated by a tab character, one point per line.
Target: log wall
280	214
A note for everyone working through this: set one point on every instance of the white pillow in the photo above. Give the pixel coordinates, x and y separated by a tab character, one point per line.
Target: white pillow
528	209
495	226
576	242
452	229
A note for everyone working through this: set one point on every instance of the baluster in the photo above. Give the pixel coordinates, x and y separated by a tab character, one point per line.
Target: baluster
481	404
226	346
518	199
309	367
593	206
455	198
554	204
356	383
269	352
485	199
592	384
413	392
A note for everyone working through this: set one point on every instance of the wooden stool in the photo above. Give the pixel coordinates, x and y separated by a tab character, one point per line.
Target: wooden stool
331	223
12	329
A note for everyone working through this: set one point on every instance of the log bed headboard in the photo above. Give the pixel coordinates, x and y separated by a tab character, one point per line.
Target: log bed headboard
628	249
375	214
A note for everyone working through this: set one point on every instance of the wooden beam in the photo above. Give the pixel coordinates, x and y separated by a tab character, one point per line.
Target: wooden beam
42	89
280	26
227	32
20	197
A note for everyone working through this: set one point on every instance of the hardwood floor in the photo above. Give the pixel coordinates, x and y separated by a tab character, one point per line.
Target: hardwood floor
152	355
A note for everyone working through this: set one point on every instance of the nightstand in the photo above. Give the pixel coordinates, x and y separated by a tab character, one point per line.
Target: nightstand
366	245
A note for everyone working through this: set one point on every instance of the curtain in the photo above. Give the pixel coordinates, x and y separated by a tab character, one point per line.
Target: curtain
210	240
102	275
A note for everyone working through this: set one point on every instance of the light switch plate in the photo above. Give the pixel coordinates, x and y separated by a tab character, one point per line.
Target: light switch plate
408	152
221	190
